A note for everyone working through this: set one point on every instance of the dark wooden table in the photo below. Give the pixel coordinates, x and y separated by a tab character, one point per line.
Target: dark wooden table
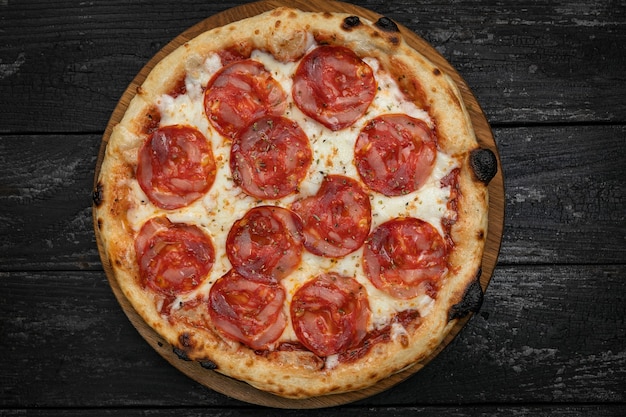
550	339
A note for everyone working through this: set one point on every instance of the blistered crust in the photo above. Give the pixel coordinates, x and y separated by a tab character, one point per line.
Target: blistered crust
287	34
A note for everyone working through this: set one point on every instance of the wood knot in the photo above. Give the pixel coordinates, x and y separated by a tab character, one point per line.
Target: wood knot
181	354
98	194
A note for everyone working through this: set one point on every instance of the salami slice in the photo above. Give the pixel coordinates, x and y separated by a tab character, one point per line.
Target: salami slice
405	257
330	314
266	244
173	258
395	154
240	93
270	157
337	219
247	311
333	86
175	166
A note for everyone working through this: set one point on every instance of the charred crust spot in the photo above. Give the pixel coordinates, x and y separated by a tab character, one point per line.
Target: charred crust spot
181	354
350	22
100	222
387	25
394	40
207	364
484	164
98	194
436	72
471	302
185	340
480	235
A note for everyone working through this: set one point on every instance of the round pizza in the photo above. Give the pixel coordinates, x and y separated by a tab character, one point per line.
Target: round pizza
297	200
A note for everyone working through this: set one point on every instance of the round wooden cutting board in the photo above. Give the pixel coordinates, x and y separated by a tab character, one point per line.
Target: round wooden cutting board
241	390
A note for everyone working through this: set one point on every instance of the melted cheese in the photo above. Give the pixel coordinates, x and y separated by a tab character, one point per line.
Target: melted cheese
333	154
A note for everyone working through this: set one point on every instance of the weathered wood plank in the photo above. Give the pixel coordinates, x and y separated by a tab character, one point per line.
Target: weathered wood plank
64	70
66	343
530	62
544	334
45	195
61	70
451	411
565	190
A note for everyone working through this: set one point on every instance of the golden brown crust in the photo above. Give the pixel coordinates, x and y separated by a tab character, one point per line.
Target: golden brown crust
286	34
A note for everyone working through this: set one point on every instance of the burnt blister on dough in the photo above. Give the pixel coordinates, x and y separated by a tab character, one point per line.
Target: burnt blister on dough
207	364
350	22
471	302
387	25
484	164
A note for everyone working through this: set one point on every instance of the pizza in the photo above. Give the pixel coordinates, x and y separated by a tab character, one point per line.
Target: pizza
296	200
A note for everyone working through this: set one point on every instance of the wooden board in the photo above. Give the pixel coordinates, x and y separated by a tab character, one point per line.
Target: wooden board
241	390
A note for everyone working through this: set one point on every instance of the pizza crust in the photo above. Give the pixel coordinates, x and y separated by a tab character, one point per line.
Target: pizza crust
287	34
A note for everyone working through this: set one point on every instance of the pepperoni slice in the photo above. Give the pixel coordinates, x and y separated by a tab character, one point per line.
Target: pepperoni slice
247	311
174	258
240	93
330	314
405	257
395	154
175	166
337	219
266	244
270	157
333	86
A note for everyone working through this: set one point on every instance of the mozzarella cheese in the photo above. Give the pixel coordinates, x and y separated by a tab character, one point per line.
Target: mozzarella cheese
333	154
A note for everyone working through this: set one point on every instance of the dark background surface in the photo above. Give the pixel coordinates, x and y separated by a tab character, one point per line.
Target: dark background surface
550	339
